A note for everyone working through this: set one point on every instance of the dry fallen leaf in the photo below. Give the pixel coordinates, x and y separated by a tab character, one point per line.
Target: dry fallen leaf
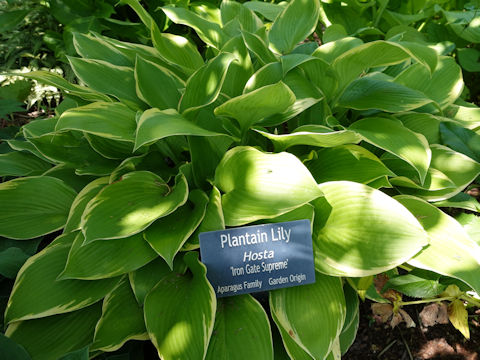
382	312
435	313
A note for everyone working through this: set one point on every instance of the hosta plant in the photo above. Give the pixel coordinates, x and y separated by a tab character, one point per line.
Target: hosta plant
251	123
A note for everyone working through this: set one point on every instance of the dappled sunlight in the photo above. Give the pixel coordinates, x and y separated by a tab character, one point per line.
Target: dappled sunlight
211	83
178	339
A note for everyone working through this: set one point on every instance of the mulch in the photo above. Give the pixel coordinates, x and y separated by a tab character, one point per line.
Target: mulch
377	341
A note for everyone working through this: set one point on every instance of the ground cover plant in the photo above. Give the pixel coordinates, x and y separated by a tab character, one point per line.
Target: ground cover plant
243	119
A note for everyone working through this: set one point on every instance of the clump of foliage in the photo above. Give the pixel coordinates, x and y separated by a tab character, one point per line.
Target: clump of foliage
366	139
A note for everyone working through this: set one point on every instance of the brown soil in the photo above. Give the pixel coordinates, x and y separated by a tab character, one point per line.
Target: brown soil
440	342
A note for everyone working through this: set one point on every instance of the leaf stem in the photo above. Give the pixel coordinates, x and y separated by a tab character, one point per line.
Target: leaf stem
425	301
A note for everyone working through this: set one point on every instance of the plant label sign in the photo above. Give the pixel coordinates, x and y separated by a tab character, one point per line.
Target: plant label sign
258	258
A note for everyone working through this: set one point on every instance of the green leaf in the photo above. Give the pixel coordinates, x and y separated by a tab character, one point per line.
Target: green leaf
248	19
101	76
444	86
50	78
67	148
18	163
168	234
368	93
178	51
290	349
254	106
450	252
393	137
156	85
81	201
106	259
145	278
469	59
347	162
268	10
120	304
355	61
240	70
425	124
260	185
210	32
313	135
349	330
11	350
51	337
156	124
415	286
180	312
460	201
130	205
294	24
450	172
464	24
289	307
91	47
10	19
13	255
33	206
328	52
241	330
37	293
349	334
360	231
258	47
471	224
213	219
460	139
108	120
205	84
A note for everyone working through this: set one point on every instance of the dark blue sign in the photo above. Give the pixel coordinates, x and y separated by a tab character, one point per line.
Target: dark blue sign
258	258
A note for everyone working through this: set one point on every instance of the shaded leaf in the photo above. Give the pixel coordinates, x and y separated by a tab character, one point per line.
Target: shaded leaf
120	304
106	259
53	336
34	206
241	330
37	293
180	311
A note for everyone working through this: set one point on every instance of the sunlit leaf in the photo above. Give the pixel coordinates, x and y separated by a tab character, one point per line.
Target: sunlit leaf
450	252
156	124
260	185
393	137
302	322
168	234
360	231
294	24
128	206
